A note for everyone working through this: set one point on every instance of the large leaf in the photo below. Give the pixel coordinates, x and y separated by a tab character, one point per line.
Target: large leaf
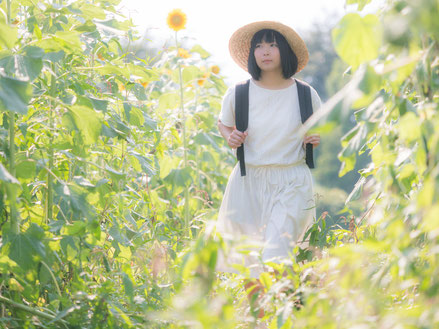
63	40
5	176
198	49
26	169
205	139
357	39
179	177
144	162
88	122
23	68
109	69
26	248
14	94
72	202
91	11
361	3
352	143
8	35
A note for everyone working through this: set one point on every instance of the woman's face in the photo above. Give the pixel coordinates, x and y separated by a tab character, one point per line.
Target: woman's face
267	56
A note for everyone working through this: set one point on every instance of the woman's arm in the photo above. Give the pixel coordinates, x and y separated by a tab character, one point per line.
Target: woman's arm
233	136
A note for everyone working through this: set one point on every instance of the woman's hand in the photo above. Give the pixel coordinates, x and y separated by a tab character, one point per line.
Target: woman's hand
233	136
236	138
313	139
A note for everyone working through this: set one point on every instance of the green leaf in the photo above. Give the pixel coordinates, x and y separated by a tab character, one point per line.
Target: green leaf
168	101
117	235
139	92
69	246
63	40
34	52
369	86
357	39
265	279
179	177
23	68
145	163
356	192
128	285
84	182
72	201
92	12
123	26
88	26
14	94
361	3
5	176
27	248
352	142
88	122
109	69
136	117
8	35
205	139
198	49
54	56
78	228
69	40
409	127
190	73
25	169
139	71
99	104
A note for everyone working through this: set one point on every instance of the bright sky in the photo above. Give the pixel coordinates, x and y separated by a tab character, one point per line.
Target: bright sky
211	23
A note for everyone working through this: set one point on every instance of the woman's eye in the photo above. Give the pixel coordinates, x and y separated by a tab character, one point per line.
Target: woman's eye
274	44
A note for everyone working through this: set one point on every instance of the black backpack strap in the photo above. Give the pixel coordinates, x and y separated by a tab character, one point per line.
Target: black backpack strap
306	110
241	117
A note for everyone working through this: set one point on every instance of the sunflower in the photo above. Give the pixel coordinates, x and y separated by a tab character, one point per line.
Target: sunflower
183	53
215	69
144	84
202	80
176	20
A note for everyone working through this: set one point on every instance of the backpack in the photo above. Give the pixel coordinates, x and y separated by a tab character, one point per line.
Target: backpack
241	116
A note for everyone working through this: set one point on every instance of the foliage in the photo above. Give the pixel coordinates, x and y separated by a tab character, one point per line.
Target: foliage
93	180
98	173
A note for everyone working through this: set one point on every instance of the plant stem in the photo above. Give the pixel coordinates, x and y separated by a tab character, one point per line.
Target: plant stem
49	200
183	127
53	278
15	225
29	309
197	154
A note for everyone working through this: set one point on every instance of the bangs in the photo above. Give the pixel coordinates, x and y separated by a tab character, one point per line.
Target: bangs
287	56
265	35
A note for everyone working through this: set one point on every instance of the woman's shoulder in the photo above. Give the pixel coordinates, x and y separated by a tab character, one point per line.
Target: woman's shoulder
230	92
315	98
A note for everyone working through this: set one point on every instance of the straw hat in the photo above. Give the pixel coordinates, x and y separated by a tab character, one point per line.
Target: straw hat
239	44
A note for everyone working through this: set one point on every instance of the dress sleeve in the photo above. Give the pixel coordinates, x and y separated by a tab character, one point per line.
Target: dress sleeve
316	101
227	114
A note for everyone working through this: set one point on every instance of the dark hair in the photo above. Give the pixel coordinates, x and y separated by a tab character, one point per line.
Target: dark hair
288	58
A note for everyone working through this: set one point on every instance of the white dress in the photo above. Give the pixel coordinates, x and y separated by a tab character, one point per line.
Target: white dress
265	213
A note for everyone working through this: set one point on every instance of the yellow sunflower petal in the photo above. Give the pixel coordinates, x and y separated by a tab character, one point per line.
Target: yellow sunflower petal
215	69
183	53
176	20
203	79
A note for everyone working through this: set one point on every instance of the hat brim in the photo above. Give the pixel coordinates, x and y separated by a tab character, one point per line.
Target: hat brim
239	44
